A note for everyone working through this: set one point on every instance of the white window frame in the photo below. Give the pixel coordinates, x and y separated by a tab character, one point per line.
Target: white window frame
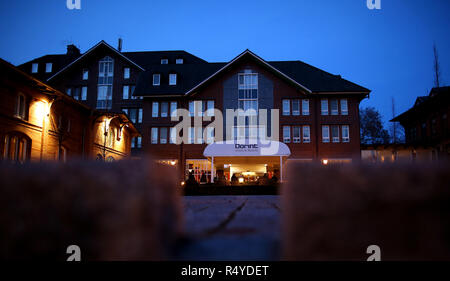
334	111
84	92
156	83
306	134
172	79
48	67
173	108
164	113
125	92
296	112
155	109
335	139
294	138
286	137
172	135
325	133
286	107
126	73
344	128
154	135
305	107
250	82
344	107
324	106
105	89
161	139
35	67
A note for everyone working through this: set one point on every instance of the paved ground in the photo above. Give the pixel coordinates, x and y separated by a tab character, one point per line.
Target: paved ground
231	228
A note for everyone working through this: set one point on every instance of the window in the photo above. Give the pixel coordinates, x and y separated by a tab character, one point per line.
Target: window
21	106
163	138
105	83
191	135
17	148
76	93
34	68
173	135
286	134
199	105
85	74
126	92
132	88
325	134
305	107
172	79
84	93
345	133
179	61
164	109
344	107
155	109
286	107
191	108
335	133
69	91
324	106
334	107
199	135
173	109
209	134
154	135
136	142
210	108
156	79
140	115
248	92
132	114
164	61
126	73
125	110
296	107
306	134
296	134
48	67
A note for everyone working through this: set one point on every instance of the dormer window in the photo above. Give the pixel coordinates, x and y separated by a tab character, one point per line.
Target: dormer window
48	67
164	61
172	79
34	68
179	61
156	79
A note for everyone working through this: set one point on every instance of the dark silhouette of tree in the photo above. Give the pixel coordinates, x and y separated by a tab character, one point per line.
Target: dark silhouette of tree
371	126
396	130
436	68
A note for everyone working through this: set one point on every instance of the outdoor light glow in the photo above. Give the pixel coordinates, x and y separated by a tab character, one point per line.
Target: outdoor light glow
325	161
182	183
41	110
173	162
241	180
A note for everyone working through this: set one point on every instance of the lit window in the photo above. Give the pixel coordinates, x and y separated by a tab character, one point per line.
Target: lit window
286	107
173	135
163	138
296	134
155	109
85	74
126	91
140	115
325	134
164	109
295	107
156	79
324	106
335	133
132	112
84	93
132	88
20	111
173	109
154	135
191	108
248	92
105	83
210	108
172	79
126	73
164	61
344	107
345	133
34	67
48	67
306	134
199	107
305	107
334	107
286	134
16	148
179	61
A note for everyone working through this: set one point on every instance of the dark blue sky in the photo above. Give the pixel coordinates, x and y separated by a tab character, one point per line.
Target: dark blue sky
388	51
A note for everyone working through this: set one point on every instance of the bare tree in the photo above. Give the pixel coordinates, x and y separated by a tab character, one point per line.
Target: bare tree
436	67
397	132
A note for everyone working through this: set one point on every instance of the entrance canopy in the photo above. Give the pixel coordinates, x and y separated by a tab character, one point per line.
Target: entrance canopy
247	149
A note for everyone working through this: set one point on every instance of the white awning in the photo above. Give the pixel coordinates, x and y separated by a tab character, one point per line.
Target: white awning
266	148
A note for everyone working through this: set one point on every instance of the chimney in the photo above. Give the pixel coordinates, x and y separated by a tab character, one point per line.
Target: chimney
72	50
119	46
